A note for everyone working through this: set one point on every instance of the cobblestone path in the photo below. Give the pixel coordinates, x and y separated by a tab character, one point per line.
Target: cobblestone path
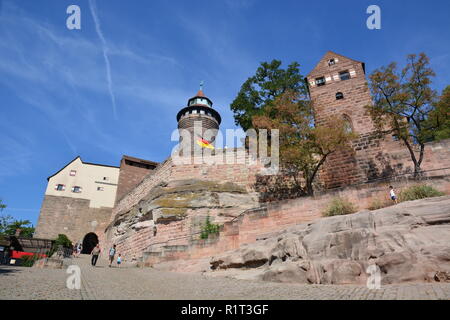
102	282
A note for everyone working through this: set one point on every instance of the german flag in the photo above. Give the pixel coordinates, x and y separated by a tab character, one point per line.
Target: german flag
204	144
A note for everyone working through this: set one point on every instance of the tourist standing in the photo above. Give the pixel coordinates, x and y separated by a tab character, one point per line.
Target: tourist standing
119	260
392	194
112	253
79	248
95	253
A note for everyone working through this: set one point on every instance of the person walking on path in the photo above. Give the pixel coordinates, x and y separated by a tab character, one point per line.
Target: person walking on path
95	253
119	260
112	253
78	250
392	194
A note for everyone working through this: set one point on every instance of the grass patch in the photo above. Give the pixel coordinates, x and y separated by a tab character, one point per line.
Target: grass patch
418	192
339	206
379	204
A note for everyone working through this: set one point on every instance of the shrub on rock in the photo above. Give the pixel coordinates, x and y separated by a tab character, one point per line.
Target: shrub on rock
339	206
419	192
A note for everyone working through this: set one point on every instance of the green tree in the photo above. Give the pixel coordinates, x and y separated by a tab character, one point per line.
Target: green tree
402	103
303	146
440	117
260	91
9	225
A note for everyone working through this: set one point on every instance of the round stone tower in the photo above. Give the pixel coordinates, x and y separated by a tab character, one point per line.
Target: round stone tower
198	117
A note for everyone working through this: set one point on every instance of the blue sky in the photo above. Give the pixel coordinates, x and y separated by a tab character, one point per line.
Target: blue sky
61	98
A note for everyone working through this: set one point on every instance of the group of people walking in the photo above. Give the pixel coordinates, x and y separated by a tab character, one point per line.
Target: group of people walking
95	253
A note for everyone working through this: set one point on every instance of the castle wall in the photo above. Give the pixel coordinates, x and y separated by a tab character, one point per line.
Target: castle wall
276	217
129	177
70	216
239	174
184	233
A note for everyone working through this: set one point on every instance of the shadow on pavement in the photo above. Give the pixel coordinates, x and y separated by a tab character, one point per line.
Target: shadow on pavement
4	270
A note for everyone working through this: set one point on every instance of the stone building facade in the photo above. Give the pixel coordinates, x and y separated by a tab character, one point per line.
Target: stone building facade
132	171
338	88
79	198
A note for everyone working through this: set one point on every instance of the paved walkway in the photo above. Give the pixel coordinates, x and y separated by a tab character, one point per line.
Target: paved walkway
103	282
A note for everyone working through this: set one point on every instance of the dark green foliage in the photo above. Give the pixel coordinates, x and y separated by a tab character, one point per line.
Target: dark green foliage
61	241
209	228
259	91
28	261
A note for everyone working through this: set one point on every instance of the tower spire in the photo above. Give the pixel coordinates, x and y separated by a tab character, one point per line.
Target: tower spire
201	85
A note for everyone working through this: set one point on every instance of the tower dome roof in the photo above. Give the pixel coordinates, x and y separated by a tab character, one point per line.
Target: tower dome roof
200	99
201	102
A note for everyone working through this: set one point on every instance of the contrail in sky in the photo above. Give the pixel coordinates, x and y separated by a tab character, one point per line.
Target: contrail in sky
93	7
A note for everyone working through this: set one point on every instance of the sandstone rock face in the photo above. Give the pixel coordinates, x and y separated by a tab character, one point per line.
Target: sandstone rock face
408	242
181	199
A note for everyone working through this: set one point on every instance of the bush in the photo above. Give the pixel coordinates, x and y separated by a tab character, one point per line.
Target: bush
378	204
209	228
418	192
62	241
339	206
28	261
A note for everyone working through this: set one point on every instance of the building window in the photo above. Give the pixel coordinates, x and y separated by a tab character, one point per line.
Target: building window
76	189
105	178
344	75
202	111
194	111
320	81
60	187
331	62
73	173
100	189
339	96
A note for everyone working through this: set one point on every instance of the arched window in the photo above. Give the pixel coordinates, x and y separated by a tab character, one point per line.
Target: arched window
339	96
348	126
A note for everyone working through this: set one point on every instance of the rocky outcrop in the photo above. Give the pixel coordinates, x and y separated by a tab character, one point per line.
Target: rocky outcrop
408	242
179	199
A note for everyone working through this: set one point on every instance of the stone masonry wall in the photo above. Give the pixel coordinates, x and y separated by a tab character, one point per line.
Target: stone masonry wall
267	221
129	177
239	174
70	216
181	233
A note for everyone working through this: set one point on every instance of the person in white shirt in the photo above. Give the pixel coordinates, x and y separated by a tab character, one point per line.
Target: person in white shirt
393	195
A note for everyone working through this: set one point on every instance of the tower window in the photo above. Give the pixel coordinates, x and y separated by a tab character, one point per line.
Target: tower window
320	81
76	189
105	178
339	96
73	173
344	75
202	111
331	62
100	188
194	111
60	187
